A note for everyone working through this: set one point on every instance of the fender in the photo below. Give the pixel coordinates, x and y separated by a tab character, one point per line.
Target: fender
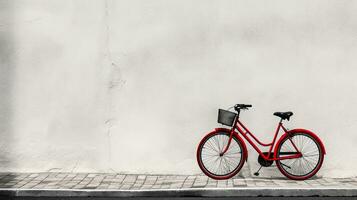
299	130
245	151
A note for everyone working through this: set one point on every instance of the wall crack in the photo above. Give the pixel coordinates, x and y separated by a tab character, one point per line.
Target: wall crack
114	83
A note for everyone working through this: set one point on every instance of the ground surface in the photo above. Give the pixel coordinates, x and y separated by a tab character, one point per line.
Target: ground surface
151	185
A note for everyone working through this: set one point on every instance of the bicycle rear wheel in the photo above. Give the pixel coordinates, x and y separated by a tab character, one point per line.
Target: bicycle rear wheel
219	166
306	166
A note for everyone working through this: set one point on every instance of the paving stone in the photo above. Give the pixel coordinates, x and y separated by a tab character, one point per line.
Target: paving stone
222	184
188	183
146	187
176	186
112	187
250	183
200	181
156	187
56	180
150	179
72	175
211	183
191	177
91	175
230	183
78	177
239	182
141	177
136	186
125	187
129	179
103	187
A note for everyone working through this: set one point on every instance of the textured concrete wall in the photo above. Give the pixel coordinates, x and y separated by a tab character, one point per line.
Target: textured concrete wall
134	85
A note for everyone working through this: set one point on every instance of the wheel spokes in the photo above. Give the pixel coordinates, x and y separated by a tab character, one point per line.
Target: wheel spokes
310	155
221	165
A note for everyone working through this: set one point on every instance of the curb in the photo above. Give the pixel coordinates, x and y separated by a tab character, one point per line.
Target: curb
208	192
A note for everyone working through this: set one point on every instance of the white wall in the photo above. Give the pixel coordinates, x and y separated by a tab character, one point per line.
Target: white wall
134	85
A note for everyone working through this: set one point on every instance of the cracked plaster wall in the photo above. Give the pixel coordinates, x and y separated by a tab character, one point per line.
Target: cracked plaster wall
133	85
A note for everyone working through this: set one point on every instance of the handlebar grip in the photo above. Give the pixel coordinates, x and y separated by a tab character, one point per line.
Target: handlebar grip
243	106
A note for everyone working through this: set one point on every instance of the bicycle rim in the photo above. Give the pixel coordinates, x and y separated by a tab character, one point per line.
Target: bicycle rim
305	166
216	166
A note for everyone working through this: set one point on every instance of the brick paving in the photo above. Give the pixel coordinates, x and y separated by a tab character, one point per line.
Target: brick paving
110	181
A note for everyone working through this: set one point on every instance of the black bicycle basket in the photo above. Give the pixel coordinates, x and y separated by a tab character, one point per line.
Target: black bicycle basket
226	117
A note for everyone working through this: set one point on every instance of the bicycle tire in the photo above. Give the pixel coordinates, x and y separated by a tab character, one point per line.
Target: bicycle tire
306	166
235	143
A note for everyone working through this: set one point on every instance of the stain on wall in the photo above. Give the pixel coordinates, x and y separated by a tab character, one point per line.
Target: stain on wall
7	67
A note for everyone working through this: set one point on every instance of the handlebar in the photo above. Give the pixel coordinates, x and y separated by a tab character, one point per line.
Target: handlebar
242	106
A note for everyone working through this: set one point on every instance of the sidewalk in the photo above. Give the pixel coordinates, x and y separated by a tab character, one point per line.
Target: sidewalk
134	185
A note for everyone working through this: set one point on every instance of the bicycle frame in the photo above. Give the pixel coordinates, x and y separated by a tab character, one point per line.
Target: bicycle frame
244	132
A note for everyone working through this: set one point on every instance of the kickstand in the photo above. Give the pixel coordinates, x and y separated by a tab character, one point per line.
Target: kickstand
257	173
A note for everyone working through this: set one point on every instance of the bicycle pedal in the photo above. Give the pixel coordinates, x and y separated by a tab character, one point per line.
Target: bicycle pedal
256	174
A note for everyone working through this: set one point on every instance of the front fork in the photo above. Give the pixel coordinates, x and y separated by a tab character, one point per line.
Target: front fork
229	142
231	135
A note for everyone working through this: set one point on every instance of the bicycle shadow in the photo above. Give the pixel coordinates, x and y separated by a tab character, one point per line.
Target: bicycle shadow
271	173
283	178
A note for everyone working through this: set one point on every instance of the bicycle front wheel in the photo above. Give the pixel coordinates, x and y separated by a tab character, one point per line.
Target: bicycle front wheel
218	166
306	166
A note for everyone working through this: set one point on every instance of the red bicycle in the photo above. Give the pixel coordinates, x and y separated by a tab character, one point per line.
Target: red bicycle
298	153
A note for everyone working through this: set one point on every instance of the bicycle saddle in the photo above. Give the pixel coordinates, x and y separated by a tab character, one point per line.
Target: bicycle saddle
284	115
